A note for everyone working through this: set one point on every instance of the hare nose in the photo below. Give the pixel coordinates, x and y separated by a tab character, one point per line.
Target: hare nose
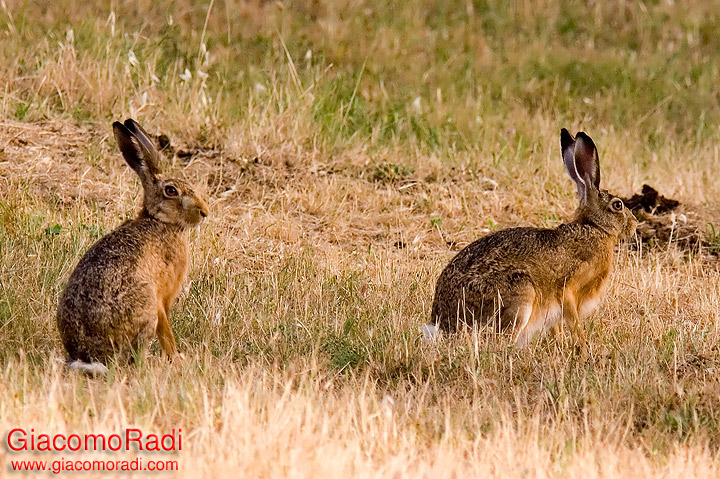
202	208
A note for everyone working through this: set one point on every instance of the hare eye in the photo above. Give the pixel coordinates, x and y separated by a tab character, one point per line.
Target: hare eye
171	191
617	204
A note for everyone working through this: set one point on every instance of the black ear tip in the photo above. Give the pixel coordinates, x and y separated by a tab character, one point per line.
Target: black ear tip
583	135
120	130
131	125
566	138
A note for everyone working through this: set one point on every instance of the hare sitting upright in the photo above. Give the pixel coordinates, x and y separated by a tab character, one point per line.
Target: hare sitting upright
529	279
121	291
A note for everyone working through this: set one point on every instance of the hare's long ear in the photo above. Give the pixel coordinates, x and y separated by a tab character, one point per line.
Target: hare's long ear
567	145
586	160
137	149
143	137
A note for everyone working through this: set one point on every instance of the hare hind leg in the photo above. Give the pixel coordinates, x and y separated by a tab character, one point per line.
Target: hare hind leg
519	312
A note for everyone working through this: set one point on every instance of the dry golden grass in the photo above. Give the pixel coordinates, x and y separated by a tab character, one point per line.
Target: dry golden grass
300	322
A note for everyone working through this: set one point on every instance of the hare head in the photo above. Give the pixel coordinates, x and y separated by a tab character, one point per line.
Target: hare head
169	200
596	207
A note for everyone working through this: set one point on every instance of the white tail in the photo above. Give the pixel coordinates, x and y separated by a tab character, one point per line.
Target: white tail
429	331
94	368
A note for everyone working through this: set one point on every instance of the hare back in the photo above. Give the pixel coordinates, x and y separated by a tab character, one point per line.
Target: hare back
110	304
498	277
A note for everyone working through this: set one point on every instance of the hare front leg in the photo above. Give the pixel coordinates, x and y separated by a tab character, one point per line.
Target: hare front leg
165	334
572	319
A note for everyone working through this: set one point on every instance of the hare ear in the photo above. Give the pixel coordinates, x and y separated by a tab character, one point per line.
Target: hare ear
567	145
143	137
137	149
586	159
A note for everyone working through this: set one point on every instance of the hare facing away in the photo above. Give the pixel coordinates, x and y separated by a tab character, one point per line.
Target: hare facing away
530	279
121	291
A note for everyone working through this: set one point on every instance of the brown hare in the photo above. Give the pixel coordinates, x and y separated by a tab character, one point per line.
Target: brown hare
121	291
530	279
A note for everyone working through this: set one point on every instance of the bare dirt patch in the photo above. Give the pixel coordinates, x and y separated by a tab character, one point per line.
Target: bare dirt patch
664	221
349	201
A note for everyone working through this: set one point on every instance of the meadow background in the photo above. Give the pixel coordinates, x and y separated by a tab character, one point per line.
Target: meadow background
348	149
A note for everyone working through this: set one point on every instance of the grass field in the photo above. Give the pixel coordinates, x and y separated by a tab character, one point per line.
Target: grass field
348	150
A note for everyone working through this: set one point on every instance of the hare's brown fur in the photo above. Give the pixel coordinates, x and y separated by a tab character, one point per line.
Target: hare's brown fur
531	278
121	291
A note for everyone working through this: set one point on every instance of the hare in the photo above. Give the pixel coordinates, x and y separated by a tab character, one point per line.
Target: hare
530	279
121	291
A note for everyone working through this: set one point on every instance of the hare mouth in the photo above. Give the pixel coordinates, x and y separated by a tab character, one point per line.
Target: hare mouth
196	217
